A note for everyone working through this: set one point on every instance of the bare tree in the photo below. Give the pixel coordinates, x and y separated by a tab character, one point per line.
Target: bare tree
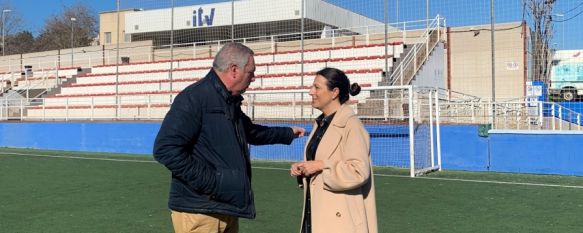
21	42
56	33
539	14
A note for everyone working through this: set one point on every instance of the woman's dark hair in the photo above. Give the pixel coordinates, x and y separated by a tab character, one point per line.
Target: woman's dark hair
337	79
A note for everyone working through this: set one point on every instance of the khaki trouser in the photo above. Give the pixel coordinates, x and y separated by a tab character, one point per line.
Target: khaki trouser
204	223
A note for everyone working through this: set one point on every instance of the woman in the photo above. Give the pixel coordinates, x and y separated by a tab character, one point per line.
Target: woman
337	176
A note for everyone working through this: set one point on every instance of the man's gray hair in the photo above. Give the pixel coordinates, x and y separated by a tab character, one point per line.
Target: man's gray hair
232	53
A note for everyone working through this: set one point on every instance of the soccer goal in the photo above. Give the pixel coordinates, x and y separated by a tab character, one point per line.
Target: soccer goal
403	123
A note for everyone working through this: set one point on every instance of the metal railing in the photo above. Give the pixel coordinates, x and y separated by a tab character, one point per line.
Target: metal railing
408	67
512	114
454	108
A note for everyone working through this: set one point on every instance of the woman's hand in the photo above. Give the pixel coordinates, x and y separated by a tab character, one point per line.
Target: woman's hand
296	169
306	168
310	168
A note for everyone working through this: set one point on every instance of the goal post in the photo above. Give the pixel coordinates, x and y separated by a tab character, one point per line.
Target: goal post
402	122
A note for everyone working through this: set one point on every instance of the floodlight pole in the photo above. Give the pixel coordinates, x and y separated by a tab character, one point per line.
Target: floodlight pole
117	100
171	47
492	32
427	14
72	38
386	19
3	29
232	20
397	11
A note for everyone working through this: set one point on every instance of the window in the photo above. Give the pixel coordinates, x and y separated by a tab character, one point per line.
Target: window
108	38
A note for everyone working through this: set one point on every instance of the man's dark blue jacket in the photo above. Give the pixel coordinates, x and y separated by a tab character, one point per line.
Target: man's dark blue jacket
203	141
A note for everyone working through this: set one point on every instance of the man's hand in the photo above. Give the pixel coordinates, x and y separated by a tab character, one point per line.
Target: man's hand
298	131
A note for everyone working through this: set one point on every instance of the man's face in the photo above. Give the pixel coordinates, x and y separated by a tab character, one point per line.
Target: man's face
243	77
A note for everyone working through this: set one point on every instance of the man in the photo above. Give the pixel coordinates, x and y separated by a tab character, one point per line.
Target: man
204	140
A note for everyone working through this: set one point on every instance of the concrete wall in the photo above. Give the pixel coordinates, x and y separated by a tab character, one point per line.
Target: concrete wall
85	57
543	152
432	74
470	54
462	149
136	138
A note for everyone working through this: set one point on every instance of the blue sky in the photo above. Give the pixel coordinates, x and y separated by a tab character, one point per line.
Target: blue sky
34	12
457	12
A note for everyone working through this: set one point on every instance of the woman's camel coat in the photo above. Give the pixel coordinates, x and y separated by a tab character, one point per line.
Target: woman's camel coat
343	197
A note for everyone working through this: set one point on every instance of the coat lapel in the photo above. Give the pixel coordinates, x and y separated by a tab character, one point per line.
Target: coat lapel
329	142
333	135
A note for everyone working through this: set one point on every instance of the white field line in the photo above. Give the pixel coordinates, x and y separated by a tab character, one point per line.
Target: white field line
78	157
285	169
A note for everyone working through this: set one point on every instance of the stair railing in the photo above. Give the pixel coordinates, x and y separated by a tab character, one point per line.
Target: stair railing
411	63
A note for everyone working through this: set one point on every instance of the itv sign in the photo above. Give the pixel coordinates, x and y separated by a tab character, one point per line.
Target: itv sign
199	19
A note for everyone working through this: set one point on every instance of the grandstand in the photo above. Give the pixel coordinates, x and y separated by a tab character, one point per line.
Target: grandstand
144	89
135	80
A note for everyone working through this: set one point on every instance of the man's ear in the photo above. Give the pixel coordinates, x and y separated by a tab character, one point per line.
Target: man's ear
233	71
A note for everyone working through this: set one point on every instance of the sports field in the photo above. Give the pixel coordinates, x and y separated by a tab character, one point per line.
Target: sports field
53	191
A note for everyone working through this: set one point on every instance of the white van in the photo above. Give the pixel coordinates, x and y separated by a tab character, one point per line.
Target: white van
567	77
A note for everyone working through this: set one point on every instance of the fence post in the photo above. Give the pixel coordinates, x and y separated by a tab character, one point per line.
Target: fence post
21	109
561	117
438	28
294	106
367	36
553	116
272	44
427	41
414	59
540	114
92	108
386	105
333	39
404	32
67	109
118	106
149	106
194	50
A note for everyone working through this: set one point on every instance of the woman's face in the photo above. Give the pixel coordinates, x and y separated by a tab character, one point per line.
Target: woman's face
321	95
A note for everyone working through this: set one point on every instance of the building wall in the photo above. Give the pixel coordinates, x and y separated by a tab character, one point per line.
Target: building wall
432	74
108	24
470	54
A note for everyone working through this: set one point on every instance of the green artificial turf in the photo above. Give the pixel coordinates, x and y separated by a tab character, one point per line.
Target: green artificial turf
79	192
